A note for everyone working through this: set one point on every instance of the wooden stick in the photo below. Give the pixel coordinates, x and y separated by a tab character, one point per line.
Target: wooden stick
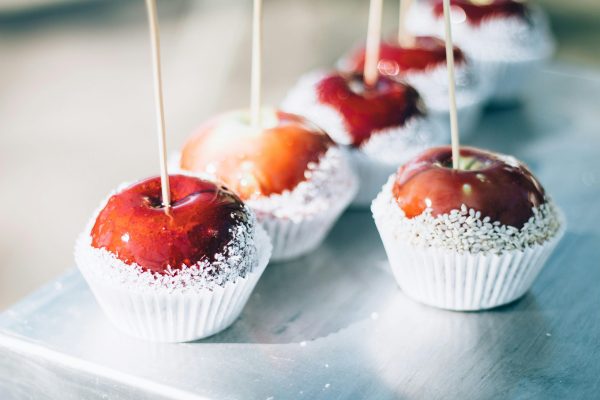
451	86
255	92
158	97
373	42
404	38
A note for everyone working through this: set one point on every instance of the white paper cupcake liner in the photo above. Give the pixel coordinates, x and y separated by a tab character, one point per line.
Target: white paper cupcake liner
297	221
293	238
468	281
508	79
381	156
372	174
161	316
507	51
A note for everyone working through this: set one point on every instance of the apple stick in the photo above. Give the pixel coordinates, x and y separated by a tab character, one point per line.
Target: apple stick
255	92
451	86
373	42
158	97
404	38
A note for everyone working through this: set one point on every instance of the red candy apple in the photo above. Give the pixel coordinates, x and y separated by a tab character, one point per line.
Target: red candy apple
397	60
477	10
498	186
366	109
252	162
135	227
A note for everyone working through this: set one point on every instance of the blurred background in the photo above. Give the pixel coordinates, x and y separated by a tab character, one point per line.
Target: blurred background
76	106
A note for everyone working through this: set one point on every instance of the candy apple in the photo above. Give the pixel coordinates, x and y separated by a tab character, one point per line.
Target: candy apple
498	186
136	228
256	162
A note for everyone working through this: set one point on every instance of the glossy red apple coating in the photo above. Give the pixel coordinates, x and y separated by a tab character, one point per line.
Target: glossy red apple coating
366	109
477	11
135	228
501	190
397	60
257	164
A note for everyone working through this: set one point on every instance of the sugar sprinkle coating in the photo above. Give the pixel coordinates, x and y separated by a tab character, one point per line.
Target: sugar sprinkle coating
328	182
509	38
391	145
464	230
432	84
240	257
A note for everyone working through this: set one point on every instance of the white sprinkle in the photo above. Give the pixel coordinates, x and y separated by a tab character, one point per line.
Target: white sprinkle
463	230
393	144
327	385
239	258
320	192
125	237
326	365
548	334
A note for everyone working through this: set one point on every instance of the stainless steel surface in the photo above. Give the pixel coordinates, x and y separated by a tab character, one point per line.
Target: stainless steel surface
334	325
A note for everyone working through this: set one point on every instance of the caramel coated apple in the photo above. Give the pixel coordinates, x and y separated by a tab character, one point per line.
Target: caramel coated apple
498	186
367	109
255	163
397	60
136	229
476	11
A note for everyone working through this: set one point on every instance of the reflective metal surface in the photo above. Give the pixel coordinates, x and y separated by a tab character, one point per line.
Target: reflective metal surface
334	325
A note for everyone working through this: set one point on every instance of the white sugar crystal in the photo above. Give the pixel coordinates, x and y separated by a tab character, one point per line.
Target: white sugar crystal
239	258
463	230
390	145
327	181
508	38
302	100
397	144
432	85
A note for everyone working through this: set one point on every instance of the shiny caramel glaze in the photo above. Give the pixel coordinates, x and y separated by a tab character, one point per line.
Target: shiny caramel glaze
397	60
134	226
499	187
256	163
367	109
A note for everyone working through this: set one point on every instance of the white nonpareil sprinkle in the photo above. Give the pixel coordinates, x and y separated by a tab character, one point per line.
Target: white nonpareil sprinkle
239	258
327	182
389	145
396	145
302	100
508	38
513	37
432	83
464	230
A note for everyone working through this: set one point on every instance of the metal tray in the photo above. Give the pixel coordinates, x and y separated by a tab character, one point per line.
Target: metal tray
333	325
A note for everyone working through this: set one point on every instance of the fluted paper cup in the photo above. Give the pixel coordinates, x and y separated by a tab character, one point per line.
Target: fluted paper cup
468	281
293	238
372	174
161	316
509	78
